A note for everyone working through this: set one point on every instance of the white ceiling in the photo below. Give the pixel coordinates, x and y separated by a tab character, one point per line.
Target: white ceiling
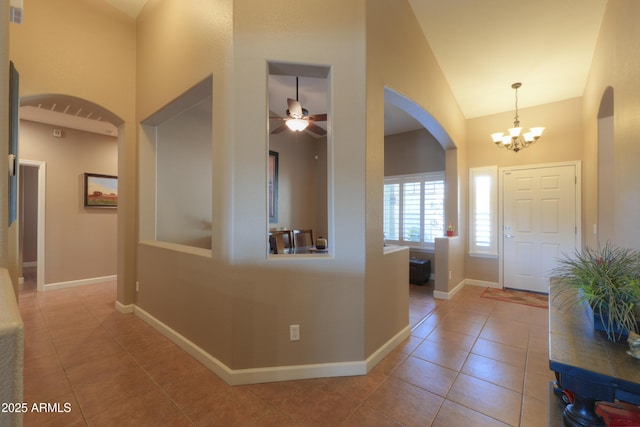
485	46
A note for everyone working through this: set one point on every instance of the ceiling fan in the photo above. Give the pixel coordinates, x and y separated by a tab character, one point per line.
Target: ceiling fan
298	118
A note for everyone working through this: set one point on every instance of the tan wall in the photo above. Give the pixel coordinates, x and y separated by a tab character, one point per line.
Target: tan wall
173	282
398	57
328	302
87	49
561	141
616	63
241	302
80	243
412	152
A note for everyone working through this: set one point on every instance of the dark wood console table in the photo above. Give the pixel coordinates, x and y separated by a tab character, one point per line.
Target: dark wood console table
588	365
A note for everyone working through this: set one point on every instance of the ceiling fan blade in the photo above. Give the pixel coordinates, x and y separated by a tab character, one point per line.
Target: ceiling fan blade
316	129
295	109
318	117
280	129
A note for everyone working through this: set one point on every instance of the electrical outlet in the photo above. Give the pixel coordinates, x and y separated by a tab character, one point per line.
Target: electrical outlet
449	274
137	286
294	332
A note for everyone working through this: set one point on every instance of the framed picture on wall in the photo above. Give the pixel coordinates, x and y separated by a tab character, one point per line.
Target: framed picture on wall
100	191
273	187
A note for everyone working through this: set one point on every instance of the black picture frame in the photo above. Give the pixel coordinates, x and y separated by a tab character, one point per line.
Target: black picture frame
272	186
100	191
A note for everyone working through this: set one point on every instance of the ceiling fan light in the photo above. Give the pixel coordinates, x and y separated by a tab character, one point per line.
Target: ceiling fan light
497	137
297	125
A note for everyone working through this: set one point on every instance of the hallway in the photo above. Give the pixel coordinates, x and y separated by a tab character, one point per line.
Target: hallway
472	361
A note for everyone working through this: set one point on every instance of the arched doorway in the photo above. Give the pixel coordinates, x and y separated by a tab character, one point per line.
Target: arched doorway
423	169
72	136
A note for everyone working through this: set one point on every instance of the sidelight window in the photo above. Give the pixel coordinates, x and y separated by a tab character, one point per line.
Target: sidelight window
483	211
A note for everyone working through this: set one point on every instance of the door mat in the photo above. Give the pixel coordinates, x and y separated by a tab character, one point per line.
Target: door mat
519	297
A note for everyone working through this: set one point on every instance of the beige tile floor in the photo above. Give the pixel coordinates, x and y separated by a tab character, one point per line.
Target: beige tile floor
471	362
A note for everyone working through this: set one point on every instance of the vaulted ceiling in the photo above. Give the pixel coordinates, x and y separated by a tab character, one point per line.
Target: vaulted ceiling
485	46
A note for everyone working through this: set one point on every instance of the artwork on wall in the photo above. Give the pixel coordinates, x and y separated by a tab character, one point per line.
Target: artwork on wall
100	191
273	187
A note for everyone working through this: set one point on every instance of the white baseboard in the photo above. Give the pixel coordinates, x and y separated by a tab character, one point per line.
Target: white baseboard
387	348
482	283
451	293
125	309
270	374
81	282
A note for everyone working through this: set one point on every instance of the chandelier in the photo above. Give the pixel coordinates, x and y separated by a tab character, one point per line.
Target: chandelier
515	140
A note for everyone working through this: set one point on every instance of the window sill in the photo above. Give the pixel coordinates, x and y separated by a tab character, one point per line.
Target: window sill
424	250
394	248
407	245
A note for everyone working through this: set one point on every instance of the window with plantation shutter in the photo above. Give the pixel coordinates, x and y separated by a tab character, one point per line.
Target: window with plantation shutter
391	211
414	209
482	212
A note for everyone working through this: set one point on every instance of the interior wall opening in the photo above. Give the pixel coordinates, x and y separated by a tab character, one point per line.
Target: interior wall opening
298	160
414	170
182	138
73	136
30	233
414	190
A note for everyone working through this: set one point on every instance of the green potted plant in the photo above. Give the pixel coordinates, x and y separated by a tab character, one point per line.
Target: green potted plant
608	279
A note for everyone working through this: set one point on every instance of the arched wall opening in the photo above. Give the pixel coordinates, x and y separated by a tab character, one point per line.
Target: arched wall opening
76	241
418	113
441	250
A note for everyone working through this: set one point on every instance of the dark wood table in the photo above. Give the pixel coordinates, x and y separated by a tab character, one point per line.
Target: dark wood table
591	367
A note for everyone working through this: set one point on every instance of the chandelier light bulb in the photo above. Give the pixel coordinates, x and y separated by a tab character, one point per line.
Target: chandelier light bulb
497	137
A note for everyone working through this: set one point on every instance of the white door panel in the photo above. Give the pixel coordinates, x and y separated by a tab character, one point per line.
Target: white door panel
539	217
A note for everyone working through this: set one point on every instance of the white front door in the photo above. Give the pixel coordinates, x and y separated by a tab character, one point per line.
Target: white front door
540	206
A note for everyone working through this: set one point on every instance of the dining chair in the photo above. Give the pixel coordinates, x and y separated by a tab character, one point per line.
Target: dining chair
302	238
279	240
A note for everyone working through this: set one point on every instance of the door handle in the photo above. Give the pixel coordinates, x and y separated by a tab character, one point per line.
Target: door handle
507	230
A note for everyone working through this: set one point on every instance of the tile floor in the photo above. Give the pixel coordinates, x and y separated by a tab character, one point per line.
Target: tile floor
471	362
